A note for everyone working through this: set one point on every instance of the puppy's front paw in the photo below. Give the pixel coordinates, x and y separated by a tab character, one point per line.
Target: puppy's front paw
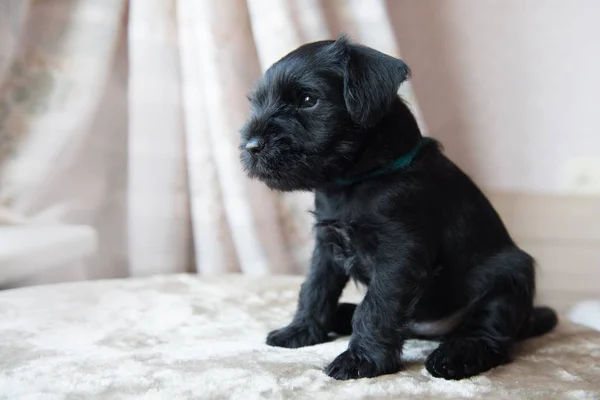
350	365
462	358
297	335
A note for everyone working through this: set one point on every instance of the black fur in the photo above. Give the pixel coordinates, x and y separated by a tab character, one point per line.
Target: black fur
424	239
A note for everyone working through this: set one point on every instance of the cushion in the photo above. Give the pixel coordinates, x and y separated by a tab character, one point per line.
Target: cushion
191	337
28	250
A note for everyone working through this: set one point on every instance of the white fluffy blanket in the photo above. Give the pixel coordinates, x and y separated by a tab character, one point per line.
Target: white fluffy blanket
187	337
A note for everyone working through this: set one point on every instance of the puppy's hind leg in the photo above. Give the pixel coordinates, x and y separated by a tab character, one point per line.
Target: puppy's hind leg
342	319
503	288
480	344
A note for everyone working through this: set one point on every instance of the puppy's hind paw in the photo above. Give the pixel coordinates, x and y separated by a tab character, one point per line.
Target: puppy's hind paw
462	358
297	335
350	365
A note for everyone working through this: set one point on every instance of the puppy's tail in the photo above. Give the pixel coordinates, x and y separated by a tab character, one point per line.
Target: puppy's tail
342	319
542	320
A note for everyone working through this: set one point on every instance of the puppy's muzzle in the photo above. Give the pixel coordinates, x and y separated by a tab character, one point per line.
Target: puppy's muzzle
254	145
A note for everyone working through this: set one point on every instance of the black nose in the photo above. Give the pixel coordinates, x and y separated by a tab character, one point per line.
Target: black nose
254	145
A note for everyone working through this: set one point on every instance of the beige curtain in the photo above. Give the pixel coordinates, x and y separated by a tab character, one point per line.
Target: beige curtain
123	115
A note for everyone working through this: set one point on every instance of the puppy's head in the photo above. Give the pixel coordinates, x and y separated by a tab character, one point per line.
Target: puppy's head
312	109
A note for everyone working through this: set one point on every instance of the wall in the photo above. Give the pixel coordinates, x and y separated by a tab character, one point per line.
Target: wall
511	87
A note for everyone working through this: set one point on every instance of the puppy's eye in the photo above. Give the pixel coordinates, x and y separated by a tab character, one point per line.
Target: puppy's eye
308	101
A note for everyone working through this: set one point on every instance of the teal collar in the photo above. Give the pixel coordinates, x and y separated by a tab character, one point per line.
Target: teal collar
399	163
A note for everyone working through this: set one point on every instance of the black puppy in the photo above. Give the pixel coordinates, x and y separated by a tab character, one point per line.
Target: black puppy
393	213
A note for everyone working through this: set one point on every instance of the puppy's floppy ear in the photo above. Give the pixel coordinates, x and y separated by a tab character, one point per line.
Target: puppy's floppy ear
371	80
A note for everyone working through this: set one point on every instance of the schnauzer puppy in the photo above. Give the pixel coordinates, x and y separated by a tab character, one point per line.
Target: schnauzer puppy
393	213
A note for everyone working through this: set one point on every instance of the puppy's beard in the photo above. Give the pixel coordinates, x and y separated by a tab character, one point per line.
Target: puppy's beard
283	182
299	169
284	178
286	185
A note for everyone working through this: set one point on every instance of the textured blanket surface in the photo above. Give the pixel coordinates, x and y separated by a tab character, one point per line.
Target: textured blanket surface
190	337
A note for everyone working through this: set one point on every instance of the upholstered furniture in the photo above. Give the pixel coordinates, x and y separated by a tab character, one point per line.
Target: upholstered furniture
192	337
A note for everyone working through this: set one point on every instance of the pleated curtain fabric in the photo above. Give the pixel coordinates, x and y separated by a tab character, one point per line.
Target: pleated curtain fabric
156	171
